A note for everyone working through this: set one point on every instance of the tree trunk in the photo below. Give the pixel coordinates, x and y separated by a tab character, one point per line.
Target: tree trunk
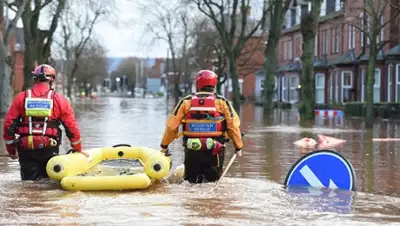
5	78
309	25
307	98
370	88
270	61
29	64
234	75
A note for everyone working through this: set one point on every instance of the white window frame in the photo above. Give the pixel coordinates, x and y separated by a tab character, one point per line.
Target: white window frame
389	83
380	37
351	36
241	86
317	75
316	44
397	82
323	8
325	42
338	37
275	95
346	86
337	5
363	85
284	88
290	48
377	85
293	88
337	86
331	87
362	29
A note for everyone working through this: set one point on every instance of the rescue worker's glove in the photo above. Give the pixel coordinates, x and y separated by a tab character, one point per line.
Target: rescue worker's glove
166	152
11	149
239	152
85	153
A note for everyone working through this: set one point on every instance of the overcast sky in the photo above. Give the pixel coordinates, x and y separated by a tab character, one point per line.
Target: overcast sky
129	38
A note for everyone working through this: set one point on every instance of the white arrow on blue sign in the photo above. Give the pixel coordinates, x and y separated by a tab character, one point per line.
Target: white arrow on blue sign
322	169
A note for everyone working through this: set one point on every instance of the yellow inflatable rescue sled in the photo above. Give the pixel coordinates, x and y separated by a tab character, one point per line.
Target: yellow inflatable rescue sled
69	169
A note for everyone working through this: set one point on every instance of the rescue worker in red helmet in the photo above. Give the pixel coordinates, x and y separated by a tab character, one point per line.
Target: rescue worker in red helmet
208	120
31	125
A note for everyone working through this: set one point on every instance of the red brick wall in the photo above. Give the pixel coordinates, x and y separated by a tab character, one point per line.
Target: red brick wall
18	80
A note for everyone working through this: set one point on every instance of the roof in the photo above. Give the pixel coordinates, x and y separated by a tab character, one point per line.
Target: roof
395	51
346	58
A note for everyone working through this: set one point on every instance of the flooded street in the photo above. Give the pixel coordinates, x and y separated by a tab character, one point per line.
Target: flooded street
251	195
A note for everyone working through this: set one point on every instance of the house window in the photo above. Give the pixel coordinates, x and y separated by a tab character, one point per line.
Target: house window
275	96
288	19
331	87
330	6
320	88
294	94
377	86
367	26
397	82
304	10
380	36
363	83
389	85
261	86
362	29
333	39
292	17
284	89
347	85
325	42
337	86
338	39
323	8
351	36
290	49
298	47
316	44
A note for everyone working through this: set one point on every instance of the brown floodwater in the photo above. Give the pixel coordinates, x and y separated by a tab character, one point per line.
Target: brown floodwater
251	194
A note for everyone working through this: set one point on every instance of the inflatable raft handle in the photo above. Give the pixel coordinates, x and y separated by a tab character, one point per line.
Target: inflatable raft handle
121	145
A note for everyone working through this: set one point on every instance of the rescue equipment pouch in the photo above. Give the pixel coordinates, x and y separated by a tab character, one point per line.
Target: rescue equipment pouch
32	142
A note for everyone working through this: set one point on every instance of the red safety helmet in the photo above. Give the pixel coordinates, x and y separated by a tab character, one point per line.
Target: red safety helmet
205	78
44	72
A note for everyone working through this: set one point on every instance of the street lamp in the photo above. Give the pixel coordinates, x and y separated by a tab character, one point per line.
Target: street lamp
117	79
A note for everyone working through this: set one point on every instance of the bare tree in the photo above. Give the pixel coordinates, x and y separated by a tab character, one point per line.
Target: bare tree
37	41
168	22
207	51
77	23
371	18
234	30
277	10
308	28
5	55
93	64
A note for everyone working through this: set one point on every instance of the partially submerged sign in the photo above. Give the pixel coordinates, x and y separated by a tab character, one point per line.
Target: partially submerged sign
322	169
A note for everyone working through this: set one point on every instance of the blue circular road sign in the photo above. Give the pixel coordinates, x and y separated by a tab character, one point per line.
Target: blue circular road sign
322	169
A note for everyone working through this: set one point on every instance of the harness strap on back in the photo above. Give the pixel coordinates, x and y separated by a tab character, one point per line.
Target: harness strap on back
31	130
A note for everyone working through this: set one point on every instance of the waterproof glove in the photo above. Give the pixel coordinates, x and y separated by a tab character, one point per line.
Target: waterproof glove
166	152
11	149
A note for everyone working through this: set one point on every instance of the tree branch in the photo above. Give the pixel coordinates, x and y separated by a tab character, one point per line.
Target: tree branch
10	28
